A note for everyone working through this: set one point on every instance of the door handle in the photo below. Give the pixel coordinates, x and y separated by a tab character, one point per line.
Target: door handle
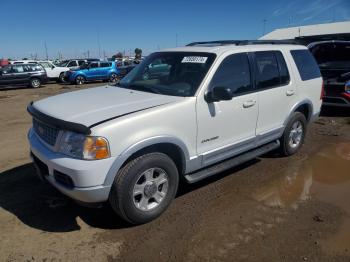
249	103
290	92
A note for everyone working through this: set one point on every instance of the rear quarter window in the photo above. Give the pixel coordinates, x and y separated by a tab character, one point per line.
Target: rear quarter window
306	64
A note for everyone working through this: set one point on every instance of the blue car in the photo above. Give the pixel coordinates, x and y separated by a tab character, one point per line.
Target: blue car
96	70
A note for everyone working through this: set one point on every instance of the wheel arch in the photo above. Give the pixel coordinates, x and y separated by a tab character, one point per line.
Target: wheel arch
305	107
171	146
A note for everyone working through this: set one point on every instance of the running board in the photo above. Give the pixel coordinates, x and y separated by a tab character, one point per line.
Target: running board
232	162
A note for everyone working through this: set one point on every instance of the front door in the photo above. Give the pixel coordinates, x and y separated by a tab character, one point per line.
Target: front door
227	128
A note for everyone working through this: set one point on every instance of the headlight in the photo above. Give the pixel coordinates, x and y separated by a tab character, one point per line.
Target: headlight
84	147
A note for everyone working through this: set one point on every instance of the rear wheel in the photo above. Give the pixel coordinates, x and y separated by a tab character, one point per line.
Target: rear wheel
79	80
294	134
35	83
61	78
144	188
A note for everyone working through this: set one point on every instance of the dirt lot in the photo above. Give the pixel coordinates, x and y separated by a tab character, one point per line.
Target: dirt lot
270	209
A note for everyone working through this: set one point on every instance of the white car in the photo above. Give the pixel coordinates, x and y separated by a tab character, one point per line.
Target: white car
212	106
53	71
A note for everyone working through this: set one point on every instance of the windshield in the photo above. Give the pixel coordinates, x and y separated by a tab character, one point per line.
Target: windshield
332	55
170	73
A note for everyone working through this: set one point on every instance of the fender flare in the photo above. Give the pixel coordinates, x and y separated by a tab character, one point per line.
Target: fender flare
303	102
120	160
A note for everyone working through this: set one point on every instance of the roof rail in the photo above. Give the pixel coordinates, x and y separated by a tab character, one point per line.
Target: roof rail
244	42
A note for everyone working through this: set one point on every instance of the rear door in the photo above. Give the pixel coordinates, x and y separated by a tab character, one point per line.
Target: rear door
21	73
104	69
49	69
276	93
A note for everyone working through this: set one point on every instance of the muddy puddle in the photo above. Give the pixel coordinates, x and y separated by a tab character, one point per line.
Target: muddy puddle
323	177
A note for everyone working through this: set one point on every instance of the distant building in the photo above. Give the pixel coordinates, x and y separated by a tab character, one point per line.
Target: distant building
312	33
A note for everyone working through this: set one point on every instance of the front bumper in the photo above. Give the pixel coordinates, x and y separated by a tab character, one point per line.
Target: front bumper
87	176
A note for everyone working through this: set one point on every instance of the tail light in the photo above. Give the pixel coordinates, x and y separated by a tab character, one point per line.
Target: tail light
322	91
347	87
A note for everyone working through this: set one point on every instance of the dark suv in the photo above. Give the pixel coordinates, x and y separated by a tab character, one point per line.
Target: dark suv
333	58
33	75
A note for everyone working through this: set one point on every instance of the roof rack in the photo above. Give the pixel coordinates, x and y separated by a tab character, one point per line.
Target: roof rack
244	42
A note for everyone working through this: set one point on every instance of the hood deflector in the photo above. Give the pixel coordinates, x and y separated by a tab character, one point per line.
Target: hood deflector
71	126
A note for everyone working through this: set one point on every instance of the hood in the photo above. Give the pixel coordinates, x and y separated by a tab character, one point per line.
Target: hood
95	105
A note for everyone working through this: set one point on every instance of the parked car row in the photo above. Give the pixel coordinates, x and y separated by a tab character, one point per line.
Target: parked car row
74	71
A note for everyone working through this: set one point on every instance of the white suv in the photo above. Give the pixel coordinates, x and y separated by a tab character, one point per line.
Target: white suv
53	71
206	107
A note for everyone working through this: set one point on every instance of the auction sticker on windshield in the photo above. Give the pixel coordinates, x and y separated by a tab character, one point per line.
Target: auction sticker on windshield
194	59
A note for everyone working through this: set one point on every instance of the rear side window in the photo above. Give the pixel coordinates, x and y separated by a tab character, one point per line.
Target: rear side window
234	73
266	68
104	64
81	62
306	64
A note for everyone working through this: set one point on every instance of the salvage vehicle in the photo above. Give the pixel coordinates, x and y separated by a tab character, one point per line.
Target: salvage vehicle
218	105
76	63
93	71
53	71
333	58
31	74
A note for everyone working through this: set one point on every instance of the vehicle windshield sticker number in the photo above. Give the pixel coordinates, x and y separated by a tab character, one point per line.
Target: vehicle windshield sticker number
194	59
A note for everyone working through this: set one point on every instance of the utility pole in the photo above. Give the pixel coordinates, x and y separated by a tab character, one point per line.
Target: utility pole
264	25
88	53
47	55
176	40
98	43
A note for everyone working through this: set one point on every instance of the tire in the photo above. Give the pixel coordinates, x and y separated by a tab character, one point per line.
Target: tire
61	78
35	83
294	134
133	194
79	80
113	78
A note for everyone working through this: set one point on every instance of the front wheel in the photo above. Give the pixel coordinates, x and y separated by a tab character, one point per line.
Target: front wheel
79	80
294	134
35	83
144	188
113	78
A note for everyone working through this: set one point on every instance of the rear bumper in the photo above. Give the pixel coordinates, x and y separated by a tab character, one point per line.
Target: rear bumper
87	177
341	100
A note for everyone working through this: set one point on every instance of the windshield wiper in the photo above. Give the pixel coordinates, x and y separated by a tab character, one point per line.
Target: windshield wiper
147	88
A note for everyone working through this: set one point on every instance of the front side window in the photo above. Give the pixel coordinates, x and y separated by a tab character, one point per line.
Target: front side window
93	65
266	70
233	73
105	64
170	73
72	63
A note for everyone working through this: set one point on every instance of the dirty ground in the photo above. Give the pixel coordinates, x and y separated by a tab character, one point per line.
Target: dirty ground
270	209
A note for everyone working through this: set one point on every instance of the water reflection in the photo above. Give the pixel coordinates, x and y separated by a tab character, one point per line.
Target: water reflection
324	177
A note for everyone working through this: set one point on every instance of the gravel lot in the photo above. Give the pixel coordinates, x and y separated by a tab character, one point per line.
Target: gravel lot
270	209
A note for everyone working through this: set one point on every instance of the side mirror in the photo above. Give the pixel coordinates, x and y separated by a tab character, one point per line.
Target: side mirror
218	94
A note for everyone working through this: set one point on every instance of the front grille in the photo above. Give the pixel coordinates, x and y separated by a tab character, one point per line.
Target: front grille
45	132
